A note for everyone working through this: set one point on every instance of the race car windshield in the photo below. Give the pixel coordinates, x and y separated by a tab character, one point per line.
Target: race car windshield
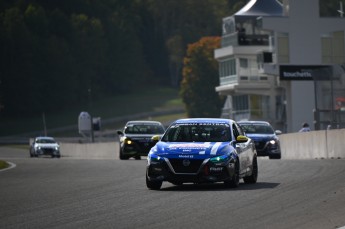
45	140
257	129
198	132
144	129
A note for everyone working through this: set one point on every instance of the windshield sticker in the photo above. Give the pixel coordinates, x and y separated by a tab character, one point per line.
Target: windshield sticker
193	146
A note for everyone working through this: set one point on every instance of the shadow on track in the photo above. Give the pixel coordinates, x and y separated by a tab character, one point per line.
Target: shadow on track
219	187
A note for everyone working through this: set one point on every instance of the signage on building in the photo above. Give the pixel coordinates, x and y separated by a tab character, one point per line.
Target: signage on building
304	72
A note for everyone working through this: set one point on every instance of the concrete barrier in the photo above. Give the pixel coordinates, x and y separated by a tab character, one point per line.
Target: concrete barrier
336	143
314	144
308	145
106	150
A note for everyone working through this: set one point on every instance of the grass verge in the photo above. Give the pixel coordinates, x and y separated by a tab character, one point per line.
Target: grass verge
145	100
3	164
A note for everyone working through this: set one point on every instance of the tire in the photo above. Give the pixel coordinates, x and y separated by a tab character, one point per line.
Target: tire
121	156
275	156
234	182
32	152
153	185
254	176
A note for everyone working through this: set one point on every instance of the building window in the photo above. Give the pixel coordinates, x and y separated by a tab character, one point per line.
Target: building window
333	48
283	48
240	102
259	107
243	63
227	67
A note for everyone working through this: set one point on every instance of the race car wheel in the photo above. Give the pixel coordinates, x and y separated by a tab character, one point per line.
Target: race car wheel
122	157
278	156
154	185
252	178
234	182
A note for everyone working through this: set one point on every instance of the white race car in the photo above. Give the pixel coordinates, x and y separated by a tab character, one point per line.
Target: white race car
45	146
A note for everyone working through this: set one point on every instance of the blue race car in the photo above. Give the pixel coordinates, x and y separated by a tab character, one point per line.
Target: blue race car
266	140
202	150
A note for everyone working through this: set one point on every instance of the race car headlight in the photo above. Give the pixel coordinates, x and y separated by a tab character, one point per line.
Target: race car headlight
218	159
154	158
273	142
128	141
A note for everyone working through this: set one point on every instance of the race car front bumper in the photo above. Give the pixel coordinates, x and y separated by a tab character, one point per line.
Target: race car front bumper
190	171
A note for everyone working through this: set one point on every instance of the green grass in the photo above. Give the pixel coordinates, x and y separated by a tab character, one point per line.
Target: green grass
3	164
146	100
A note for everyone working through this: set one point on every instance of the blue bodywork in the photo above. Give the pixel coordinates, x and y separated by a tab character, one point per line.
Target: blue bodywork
266	140
191	150
179	161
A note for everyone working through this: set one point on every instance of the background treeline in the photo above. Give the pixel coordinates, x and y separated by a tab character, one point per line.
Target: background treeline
58	53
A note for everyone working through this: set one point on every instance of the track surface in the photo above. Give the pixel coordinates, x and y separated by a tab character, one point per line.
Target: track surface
84	193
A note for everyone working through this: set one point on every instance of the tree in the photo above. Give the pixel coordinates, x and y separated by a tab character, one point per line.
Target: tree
52	53
176	24
200	77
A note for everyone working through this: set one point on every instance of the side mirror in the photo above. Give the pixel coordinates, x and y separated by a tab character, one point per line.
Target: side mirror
241	139
119	132
278	132
156	138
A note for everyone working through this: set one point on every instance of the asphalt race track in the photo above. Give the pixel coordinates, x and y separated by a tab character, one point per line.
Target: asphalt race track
97	193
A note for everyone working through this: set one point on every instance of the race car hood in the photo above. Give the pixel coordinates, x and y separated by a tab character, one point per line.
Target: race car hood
262	137
195	150
139	136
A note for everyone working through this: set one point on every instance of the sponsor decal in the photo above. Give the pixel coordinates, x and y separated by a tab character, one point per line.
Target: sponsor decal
190	146
185	156
157	169
216	169
301	74
304	72
186	162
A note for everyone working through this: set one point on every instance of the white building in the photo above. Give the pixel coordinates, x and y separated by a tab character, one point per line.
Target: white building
287	64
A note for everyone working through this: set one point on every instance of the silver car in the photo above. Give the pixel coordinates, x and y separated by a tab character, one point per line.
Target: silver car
45	146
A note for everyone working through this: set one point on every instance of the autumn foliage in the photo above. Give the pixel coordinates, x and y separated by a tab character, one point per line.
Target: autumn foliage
200	77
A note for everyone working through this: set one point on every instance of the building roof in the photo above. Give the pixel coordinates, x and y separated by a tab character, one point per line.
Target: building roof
261	8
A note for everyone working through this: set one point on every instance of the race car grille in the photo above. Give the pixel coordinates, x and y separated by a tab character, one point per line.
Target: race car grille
185	165
260	145
143	146
47	150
